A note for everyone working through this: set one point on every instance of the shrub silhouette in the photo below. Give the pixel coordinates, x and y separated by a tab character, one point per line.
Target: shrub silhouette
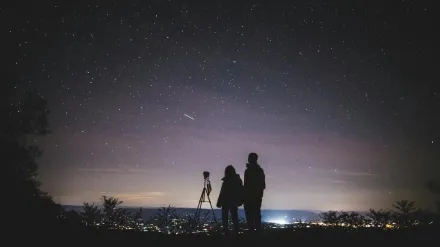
164	218
91	214
114	216
330	218
405	213
379	218
138	224
351	219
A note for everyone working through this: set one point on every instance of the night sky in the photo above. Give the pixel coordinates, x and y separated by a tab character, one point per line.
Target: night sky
341	100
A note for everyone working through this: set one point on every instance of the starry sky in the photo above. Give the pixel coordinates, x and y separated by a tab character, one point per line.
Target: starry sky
340	99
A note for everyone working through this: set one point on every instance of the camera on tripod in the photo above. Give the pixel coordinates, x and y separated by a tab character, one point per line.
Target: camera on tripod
207	184
204	198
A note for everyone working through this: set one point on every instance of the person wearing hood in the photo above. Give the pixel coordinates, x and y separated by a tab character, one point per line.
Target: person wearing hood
230	198
254	186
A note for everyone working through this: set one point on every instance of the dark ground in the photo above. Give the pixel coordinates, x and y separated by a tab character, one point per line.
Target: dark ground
299	237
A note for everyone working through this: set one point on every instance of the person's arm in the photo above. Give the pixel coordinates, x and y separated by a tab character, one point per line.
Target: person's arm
245	177
263	179
221	195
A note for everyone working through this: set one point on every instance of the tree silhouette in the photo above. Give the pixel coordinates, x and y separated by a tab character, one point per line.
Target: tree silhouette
91	214
301	224
352	219
25	117
138	223
164	217
379	218
114	216
191	222
405	212
330	218
71	218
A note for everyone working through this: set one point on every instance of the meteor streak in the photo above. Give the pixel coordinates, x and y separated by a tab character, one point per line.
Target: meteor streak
188	116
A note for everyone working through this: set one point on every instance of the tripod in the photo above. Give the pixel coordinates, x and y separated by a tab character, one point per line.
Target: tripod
205	195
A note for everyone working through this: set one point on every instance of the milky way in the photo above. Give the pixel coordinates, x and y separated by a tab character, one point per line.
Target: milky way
340	101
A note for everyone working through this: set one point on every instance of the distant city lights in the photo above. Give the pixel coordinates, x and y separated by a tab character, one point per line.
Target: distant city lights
279	221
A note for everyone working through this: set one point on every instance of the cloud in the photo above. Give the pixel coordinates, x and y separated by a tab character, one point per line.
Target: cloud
115	170
139	195
341	182
348	173
99	170
139	170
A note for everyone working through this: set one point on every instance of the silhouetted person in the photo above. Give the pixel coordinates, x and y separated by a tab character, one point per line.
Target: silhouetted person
231	197
254	185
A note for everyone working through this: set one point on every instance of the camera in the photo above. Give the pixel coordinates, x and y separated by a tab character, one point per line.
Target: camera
205	175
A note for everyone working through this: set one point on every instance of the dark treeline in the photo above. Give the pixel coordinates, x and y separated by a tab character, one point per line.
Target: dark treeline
25	115
110	216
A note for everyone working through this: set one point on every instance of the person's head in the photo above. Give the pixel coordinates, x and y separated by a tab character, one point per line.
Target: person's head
230	171
253	158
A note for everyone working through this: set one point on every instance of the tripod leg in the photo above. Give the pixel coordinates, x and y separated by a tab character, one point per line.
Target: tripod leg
212	210
199	209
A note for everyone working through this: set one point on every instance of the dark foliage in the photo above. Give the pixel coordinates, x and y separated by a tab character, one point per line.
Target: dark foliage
379	218
352	219
165	217
330	218
91	215
300	237
405	213
114	216
25	117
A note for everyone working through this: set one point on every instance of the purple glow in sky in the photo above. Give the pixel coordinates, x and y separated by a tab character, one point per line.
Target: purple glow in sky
338	101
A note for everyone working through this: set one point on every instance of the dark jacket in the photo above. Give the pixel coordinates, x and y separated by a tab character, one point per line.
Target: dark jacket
254	181
231	193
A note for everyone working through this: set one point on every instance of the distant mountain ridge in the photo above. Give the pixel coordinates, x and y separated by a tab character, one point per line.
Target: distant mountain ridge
268	215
